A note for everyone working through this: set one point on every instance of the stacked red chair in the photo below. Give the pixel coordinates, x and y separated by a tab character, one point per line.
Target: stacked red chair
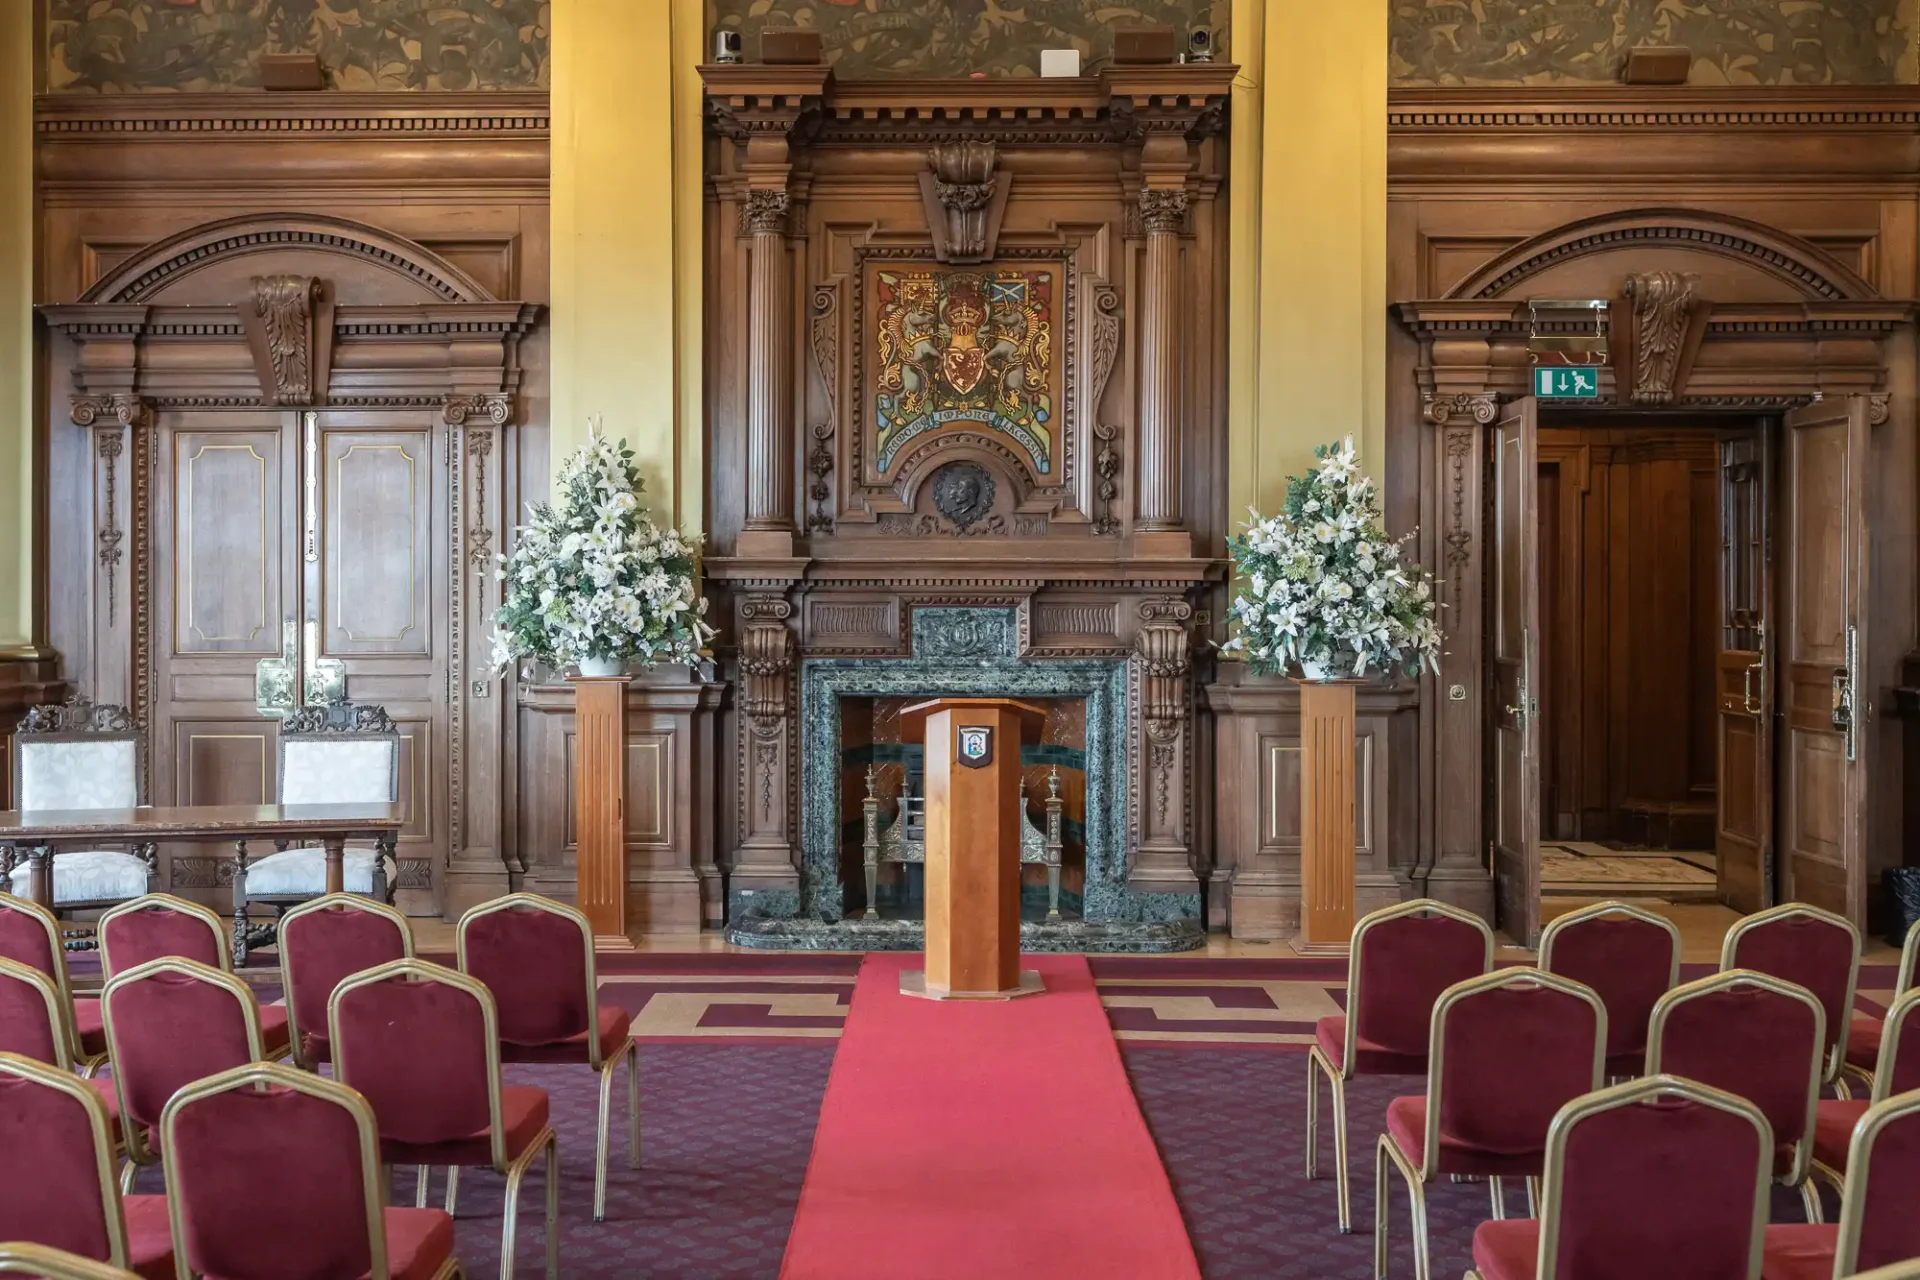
1863	1034
1896	1071
1631	957
535	956
322	1205
57	1185
323	941
30	935
422	1044
1878	1226
1810	948
160	925
1400	960
171	1022
1509	1049
1758	1038
1656	1177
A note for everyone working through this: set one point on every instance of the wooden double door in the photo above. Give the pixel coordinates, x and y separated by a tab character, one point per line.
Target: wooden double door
300	556
1790	772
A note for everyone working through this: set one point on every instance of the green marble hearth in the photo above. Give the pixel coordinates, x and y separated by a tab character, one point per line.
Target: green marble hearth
965	652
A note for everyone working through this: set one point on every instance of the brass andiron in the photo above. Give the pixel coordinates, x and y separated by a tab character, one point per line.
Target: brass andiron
904	841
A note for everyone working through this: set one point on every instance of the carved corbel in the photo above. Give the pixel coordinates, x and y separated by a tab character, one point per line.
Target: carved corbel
288	321
766	656
1879	408
1668	321
965	200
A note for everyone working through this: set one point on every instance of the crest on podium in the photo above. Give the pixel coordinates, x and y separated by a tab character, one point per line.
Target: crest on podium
976	746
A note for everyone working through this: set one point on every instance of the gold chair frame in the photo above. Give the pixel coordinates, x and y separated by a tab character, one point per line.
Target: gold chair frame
1902	983
57	1016
1799	1175
263	1074
1881	1079
604	1068
1853	1204
1318	1064
87	1064
1892	1271
1833	1072
344	901
165	902
1599	911
101	1126
514	1169
1634	1093
23	1259
138	1152
1387	1151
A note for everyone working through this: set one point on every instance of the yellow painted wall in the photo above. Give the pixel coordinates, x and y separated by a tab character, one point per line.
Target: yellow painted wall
626	238
1308	237
18	58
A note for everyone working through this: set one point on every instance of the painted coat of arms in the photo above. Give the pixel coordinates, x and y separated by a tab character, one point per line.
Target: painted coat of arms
965	347
976	746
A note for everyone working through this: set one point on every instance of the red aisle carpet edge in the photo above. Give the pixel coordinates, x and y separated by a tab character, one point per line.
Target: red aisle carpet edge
973	1139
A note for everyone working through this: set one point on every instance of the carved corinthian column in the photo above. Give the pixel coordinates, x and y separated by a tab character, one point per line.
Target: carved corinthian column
1163	212
769	419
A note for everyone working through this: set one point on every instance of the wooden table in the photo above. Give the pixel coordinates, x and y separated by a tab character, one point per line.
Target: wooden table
43	832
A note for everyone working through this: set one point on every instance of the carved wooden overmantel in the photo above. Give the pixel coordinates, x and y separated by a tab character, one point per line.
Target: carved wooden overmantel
960	342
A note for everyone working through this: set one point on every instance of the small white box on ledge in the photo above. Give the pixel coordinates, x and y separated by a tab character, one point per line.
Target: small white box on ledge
1059	62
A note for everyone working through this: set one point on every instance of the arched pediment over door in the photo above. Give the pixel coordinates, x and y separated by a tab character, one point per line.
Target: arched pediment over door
289	489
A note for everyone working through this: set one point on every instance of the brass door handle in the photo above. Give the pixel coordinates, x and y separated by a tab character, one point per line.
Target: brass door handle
1748	703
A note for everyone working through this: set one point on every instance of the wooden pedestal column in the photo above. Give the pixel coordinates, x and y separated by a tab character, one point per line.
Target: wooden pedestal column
973	816
600	803
1326	817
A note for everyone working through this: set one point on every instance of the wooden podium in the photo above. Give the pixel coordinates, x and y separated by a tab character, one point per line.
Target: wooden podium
972	868
1326	817
600	802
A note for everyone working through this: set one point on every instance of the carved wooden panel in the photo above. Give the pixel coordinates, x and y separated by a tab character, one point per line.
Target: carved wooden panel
224	761
376	556
226	581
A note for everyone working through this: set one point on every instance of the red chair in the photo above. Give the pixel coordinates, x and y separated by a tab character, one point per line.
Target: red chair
1758	1038
1630	956
1878	1227
1863	1033
535	956
323	1205
322	941
1897	1071
1400	960
1509	1049
171	1022
56	1178
35	1024
1656	1177
22	1259
30	935
1810	948
422	1043
160	924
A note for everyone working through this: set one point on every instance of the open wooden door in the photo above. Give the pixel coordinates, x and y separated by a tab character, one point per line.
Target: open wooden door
1514	651
1743	692
1822	637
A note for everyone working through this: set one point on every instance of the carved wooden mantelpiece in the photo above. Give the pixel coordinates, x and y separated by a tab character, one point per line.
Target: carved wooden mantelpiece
959	353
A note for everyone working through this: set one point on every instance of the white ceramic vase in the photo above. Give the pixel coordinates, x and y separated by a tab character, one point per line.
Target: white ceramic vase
603	666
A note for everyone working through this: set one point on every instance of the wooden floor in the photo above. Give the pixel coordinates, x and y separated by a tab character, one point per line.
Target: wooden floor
1702	925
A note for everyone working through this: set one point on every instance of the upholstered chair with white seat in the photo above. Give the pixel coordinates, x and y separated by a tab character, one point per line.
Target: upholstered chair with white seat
78	755
334	754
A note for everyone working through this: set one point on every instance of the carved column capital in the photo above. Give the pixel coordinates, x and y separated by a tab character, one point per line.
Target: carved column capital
1163	210
115	410
1475	406
493	407
764	211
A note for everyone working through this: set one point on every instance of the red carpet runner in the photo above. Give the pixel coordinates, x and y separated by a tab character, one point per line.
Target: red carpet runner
964	1139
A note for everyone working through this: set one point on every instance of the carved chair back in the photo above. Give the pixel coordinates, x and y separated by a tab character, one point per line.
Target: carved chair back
77	755
339	753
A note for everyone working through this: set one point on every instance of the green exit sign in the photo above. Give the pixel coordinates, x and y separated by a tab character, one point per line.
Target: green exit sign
1567	382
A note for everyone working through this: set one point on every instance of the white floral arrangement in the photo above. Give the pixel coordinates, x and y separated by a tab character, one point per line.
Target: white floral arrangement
1325	589
594	581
